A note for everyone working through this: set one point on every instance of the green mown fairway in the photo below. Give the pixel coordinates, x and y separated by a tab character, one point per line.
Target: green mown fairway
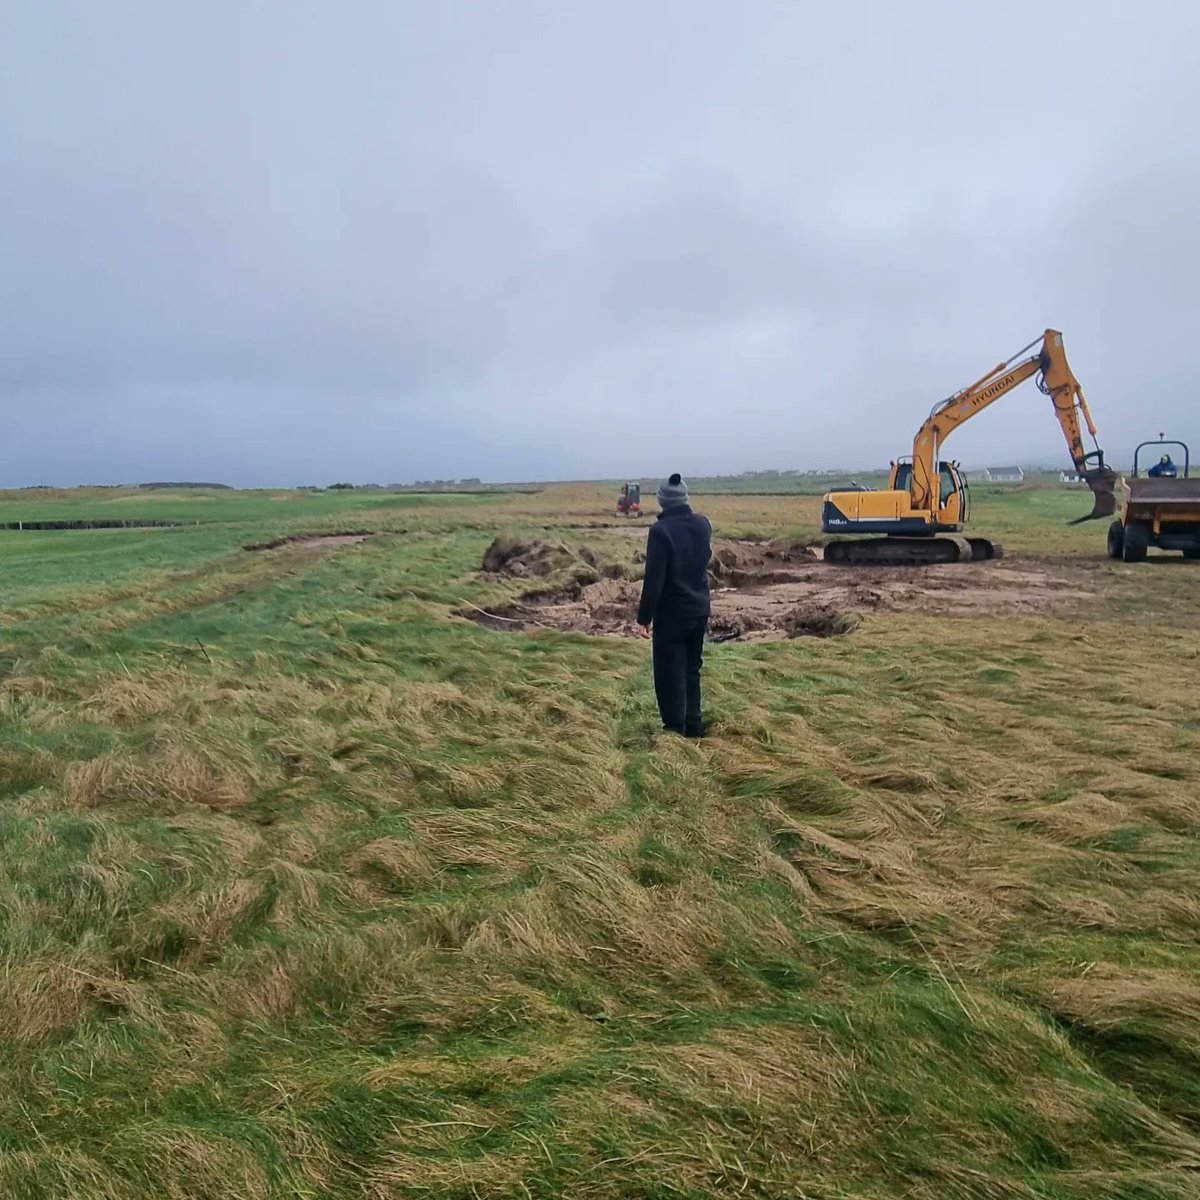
309	888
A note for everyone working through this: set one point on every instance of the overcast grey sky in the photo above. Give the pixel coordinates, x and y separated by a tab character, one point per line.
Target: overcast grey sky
286	241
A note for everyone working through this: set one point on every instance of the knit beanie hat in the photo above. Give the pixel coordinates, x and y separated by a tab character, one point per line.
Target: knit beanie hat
673	493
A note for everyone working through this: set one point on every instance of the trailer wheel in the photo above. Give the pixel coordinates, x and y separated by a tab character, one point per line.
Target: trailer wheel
1137	542
1116	540
1193	552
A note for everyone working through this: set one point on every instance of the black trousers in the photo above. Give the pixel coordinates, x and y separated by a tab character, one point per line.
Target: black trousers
678	655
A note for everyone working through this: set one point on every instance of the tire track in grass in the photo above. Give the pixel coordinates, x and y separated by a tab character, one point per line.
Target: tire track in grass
219	581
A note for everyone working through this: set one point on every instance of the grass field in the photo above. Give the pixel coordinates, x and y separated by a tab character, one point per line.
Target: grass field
310	889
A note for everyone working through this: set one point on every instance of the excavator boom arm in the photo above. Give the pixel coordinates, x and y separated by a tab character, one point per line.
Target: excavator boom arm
1058	381
952	413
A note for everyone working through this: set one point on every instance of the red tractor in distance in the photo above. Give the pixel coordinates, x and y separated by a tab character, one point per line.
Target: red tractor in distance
629	500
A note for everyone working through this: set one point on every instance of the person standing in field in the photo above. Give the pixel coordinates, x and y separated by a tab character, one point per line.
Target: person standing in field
676	605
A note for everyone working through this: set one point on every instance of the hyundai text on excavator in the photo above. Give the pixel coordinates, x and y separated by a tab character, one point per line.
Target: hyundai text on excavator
927	497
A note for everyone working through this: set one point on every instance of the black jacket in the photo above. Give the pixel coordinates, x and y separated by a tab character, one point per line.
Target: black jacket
675	589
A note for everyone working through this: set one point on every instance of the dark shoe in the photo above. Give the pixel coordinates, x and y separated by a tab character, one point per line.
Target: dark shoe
675	730
696	731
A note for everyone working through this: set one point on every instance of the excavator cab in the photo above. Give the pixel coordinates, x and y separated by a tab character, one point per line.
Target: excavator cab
954	497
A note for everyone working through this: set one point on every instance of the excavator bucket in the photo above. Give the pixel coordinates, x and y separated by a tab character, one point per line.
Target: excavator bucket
1103	482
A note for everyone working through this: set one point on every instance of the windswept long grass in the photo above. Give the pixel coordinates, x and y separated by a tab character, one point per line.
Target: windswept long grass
308	888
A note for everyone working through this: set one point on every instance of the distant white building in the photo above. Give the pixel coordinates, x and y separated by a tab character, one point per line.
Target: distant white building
1069	477
1002	475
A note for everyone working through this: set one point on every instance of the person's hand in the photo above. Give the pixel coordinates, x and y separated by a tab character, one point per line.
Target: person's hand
643	631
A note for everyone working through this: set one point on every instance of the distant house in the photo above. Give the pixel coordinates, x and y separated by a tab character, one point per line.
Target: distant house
1069	477
1003	475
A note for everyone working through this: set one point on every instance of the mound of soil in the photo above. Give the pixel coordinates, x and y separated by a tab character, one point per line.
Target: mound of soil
520	560
749	557
747	564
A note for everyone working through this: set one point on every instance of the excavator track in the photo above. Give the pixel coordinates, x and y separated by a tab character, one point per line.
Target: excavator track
984	548
910	552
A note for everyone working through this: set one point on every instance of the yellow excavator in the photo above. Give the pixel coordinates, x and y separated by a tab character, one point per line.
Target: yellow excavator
927	497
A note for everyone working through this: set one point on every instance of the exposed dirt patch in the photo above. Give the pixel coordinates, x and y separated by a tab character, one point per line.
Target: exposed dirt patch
315	541
519	560
755	564
326	543
769	591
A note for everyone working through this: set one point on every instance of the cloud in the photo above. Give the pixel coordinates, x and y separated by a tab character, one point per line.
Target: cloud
272	243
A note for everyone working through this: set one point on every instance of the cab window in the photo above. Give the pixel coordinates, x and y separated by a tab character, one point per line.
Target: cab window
949	485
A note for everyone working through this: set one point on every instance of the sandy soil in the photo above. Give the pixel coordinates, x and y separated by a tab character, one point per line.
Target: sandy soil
324	541
770	591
